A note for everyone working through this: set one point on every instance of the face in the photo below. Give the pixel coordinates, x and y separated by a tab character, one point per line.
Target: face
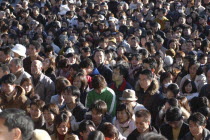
5	134
48	116
116	76
35	112
144	81
36	68
96	116
142	124
188	88
62	128
85	134
68	97
169	94
99	57
195	129
134	62
7	89
46	63
27	86
122	116
32	50
193	69
77	82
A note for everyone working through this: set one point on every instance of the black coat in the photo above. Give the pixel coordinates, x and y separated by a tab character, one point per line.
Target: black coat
135	134
166	130
106	72
206	135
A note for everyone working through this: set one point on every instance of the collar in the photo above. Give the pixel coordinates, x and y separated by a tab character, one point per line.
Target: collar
121	87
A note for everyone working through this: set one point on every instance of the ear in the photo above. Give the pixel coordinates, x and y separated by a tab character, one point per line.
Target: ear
16	133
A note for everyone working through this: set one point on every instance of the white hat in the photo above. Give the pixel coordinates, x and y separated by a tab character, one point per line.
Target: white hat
19	49
63	9
168	60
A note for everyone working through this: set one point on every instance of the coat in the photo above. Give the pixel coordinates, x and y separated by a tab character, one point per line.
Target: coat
19	100
206	135
45	88
23	74
166	130
67	137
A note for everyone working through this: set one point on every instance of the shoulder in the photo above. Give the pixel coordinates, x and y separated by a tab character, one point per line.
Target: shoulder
71	137
110	91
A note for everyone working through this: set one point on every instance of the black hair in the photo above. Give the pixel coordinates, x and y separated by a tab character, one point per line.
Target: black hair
173	102
186	82
173	114
122	69
128	109
198	118
174	88
86	63
8	79
205	111
7	51
36	44
151	61
198	102
83	125
199	70
100	106
74	91
96	135
16	118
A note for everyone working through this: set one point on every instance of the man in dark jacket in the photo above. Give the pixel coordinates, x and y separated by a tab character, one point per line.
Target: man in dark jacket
143	120
176	129
197	124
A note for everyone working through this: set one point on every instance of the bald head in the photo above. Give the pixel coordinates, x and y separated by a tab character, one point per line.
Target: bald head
36	68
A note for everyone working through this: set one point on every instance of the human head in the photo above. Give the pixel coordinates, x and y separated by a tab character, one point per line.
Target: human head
197	122
8	84
109	130
40	134
4	70
14	124
62	124
61	83
149	63
135	59
34	48
99	83
119	72
96	135
16	65
145	79
85	127
36	68
174	117
80	81
36	108
87	65
143	120
27	84
98	110
166	78
189	86
194	68
99	56
71	95
50	111
124	113
152	136
172	91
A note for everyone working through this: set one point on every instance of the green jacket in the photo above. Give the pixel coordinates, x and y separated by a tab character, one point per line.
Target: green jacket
107	95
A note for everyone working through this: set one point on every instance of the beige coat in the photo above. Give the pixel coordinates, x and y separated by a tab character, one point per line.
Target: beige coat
67	137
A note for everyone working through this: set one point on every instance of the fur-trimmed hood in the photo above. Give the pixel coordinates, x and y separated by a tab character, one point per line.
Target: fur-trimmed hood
153	88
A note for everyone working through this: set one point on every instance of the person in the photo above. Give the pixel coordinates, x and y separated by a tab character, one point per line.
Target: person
99	58
96	135
98	113
4	70
85	127
124	121
129	98
119	80
63	128
43	85
6	55
60	84
172	91
71	95
197	124
16	67
33	52
148	94
195	74
50	111
28	86
15	125
40	134
49	68
189	89
19	51
36	113
12	96
111	132
102	92
143	125
80	81
175	127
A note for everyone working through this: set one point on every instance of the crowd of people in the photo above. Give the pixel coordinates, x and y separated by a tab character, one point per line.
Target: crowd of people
105	69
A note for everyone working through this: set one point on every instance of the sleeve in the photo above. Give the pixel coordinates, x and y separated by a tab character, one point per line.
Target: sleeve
88	100
50	90
111	103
